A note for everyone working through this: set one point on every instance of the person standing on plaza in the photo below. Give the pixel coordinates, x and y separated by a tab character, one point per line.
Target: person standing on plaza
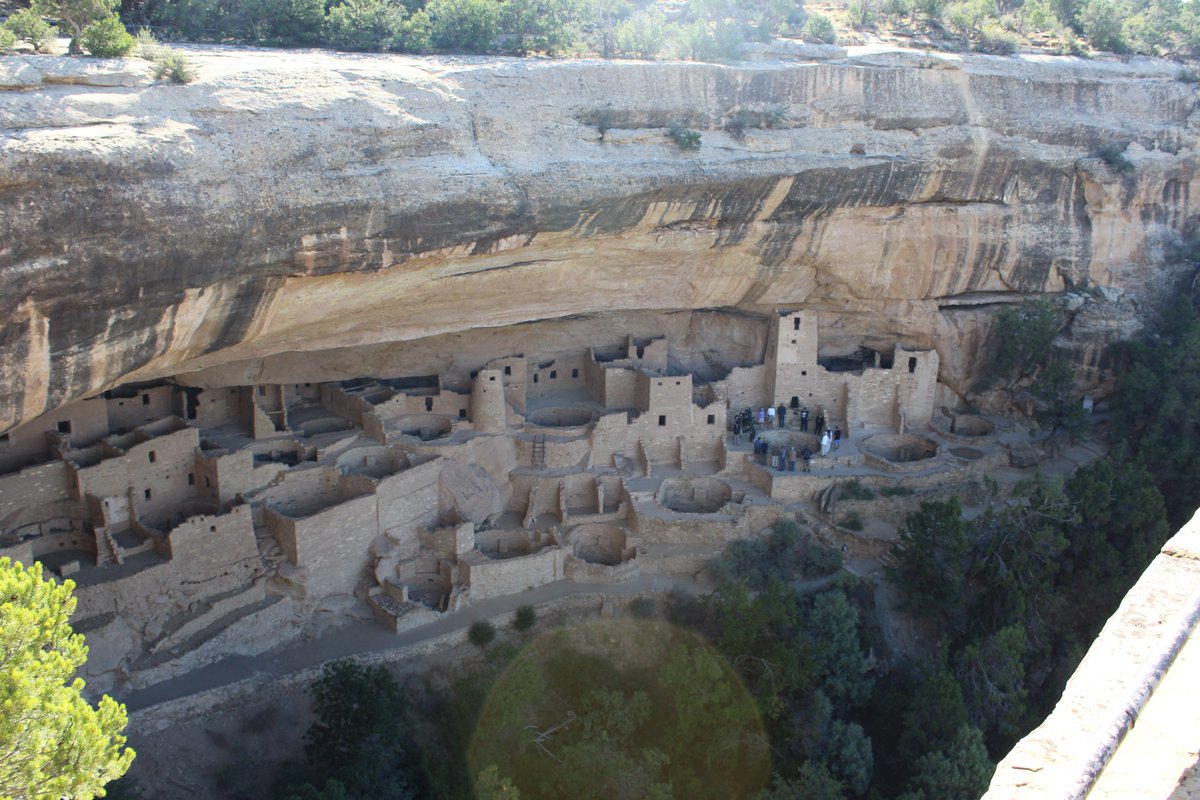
826	441
804	419
770	416
837	438
782	415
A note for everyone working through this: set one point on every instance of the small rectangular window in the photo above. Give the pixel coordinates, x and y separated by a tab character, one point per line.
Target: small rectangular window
574	373
796	324
912	364
64	426
308	386
535	377
508	370
145	399
191	479
462	413
679	383
153	456
662	420
553	374
207	483
803	373
148	494
492	378
262	391
712	419
212	528
793	341
429	404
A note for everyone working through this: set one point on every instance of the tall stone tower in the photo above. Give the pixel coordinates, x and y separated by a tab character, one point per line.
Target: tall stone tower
791	354
488	411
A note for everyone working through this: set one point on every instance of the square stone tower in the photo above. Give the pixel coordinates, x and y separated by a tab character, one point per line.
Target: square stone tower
791	355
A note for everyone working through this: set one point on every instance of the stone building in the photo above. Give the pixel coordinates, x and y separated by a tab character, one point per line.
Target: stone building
419	493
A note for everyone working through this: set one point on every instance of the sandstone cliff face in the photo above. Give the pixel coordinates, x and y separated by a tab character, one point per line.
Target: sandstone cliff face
293	215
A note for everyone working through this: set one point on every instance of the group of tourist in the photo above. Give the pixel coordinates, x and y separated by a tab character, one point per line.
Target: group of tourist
780	456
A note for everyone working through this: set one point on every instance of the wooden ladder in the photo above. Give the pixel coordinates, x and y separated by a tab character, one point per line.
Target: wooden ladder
537	458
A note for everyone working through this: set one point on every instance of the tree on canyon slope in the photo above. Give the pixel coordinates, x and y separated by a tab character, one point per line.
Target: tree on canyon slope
75	14
1020	342
53	743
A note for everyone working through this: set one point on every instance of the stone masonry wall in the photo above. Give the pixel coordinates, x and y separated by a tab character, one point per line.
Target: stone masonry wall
35	493
496	578
86	419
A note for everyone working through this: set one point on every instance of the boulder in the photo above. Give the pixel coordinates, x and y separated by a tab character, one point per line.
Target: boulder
466	493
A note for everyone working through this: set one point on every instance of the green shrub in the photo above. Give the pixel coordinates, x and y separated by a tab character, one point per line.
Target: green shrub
363	24
602	118
785	553
1187	75
993	38
174	67
416	33
464	25
727	41
684	138
75	15
856	491
540	26
862	13
7	40
27	26
641	35
851	522
744	118
699	42
1101	22
819	28
285	22
644	608
147	47
169	65
817	558
525	618
481	633
1019	344
107	38
1114	156
896	491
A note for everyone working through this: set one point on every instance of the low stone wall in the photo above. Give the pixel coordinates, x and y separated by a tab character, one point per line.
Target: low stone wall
498	577
706	529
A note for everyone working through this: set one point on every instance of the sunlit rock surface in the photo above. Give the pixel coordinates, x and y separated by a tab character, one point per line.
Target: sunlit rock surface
314	215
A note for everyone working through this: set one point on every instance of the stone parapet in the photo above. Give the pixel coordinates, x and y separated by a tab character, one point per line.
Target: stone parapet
1118	682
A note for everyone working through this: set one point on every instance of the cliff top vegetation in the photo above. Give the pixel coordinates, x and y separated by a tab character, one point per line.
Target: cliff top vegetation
704	30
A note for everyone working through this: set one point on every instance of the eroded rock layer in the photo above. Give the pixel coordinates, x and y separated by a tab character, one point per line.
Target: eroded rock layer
292	214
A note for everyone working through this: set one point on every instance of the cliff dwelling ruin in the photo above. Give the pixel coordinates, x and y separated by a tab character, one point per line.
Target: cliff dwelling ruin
382	345
184	510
